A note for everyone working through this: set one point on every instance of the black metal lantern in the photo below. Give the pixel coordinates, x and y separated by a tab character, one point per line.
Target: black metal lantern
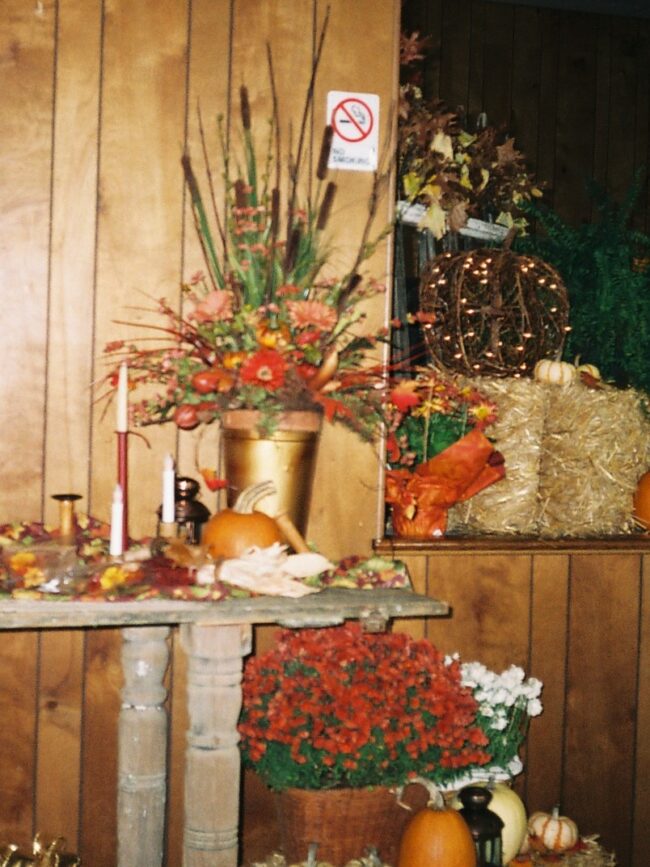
190	513
484	825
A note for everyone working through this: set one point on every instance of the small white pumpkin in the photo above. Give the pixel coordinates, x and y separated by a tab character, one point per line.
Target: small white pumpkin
552	831
554	372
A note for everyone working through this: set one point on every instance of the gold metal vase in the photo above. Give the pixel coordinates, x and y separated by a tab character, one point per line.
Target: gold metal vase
287	457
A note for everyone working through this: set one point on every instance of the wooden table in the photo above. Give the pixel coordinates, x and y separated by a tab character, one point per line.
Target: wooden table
216	638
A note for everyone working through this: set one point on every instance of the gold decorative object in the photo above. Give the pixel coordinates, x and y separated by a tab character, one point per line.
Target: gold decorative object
287	457
66	516
52	854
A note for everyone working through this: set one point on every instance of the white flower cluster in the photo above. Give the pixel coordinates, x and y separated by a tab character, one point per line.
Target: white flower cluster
498	693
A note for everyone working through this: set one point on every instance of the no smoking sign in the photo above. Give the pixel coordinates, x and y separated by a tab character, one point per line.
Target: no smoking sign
354	118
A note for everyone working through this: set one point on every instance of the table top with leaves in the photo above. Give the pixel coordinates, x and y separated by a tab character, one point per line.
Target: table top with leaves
94	576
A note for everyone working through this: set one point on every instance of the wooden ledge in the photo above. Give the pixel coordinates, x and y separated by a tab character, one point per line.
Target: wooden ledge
396	546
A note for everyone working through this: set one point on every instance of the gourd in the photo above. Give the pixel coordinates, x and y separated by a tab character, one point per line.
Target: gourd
509	807
436	836
232	531
550	831
642	501
554	372
589	370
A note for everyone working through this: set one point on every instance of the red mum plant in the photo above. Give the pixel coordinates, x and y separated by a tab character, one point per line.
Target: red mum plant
338	707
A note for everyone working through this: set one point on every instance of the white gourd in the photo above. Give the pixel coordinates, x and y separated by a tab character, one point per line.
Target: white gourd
554	372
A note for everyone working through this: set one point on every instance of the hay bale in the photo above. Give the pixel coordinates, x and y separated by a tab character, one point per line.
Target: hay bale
596	444
511	505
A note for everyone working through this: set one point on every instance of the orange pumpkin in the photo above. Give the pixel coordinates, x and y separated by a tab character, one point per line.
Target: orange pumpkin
642	501
437	838
552	832
231	532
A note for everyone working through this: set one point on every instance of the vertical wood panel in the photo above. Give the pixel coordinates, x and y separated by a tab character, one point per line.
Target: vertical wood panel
550	21
526	82
426	19
58	765
548	647
575	115
455	52
74	194
602	83
361	55
415	627
482	592
623	105
26	55
641	792
208	90
103	682
601	691
475	102
178	726
18	686
139	248
498	36
66	465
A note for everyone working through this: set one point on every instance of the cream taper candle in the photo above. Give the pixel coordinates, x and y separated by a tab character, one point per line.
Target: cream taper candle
116	547
168	514
122	423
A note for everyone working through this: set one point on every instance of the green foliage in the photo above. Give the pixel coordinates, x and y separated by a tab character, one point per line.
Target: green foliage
609	301
439	431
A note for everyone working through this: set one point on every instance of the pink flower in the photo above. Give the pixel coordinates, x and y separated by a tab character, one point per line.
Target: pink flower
305	314
217	305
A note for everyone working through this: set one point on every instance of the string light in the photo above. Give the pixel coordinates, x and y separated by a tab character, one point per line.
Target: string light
484	303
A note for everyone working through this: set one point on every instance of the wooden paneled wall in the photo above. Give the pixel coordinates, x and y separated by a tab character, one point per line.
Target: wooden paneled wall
572	87
98	98
575	615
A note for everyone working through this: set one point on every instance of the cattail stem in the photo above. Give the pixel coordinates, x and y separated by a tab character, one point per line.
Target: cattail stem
326	206
325	149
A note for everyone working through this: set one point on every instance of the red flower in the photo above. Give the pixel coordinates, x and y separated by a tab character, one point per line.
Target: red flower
265	368
323	708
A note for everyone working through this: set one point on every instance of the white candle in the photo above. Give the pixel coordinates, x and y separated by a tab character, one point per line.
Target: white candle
168	515
122	424
117	516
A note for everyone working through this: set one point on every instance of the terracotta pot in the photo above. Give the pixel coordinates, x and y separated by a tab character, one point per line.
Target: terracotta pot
287	457
344	823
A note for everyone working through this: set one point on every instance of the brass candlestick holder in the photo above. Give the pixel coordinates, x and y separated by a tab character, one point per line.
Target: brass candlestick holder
66	516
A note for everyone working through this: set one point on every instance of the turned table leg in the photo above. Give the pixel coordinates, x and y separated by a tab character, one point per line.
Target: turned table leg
142	748
212	764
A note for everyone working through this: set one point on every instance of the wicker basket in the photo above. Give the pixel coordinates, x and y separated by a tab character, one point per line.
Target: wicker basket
343	822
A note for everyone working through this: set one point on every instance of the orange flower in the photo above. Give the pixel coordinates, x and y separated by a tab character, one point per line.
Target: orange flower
212	481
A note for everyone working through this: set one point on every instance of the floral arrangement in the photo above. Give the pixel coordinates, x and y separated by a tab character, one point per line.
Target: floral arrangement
325	709
436	451
455	173
506	702
429	412
268	325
